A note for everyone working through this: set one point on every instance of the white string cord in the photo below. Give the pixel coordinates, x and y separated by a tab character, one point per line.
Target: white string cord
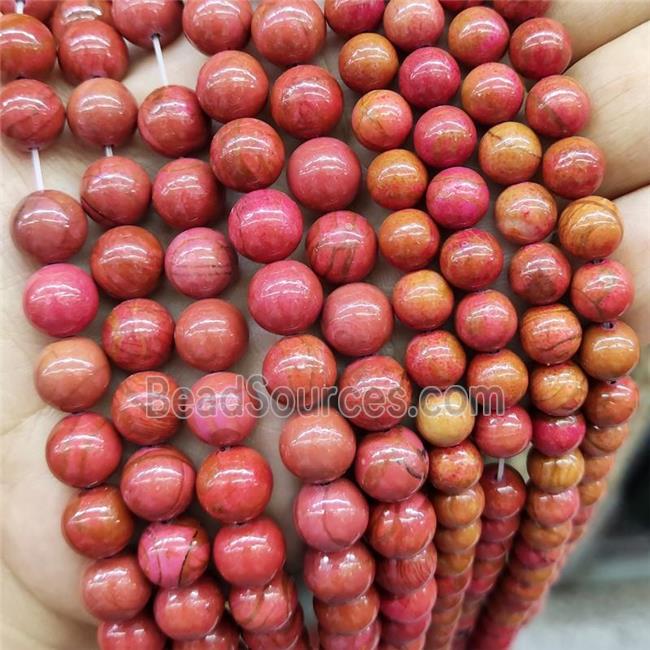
500	468
159	58
38	172
108	150
20	6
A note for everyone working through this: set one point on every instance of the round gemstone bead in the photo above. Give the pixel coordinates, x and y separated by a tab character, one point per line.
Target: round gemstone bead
445	418
381	120
349	617
558	390
71	11
225	636
550	333
478	35
216	25
368	62
505	496
410	25
517	11
610	403
558	435
455	469
600	441
27	48
348	17
497	380
461	509
609	350
39	9
291	634
399	577
396	179
503	435
555	474
422	300
408	239
139	20
435	359
138	633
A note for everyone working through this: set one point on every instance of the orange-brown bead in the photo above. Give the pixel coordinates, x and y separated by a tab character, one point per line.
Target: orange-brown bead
601	441
609	350
456	510
367	62
550	333
555	475
497	380
560	389
613	402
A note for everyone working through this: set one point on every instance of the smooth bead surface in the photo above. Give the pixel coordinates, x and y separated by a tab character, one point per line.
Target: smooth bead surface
410	24
126	262
67	12
138	633
435	359
408	239
552	509
27	48
381	120
598	467
349	617
422	300
399	577
368	62
40	9
225	636
505	496
544	537
558	390
139	20
461	509
216	25
555	474
292	634
498	379
445	418
347	17
550	334
478	35
455	469
599	441
519	10
609	350
610	403
410	607
503	435
396	179
540	47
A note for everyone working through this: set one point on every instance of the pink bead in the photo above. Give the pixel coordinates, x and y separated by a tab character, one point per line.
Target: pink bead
349	17
330	517
503	435
200	263
519	10
556	436
478	35
188	613
225	636
367	638
234	485
60	300
350	617
174	553
306	101
186	194
290	635
317	446
444	136
157	483
435	359
398	633
410	25
457	198
39	9
67	12
139	20
247	154
83	450
216	25
458	5
138	633
324	174
375	393
285	297
400	577
232	85
553	509
249	554
391	465
265	226
422	300
27	49
410	607
485	321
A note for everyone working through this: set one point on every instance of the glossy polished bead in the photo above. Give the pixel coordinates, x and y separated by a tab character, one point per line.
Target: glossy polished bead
552	509
573	167
557	435
92	48
368	62
544	537
410	25
550	334
395	632
349	617
285	297
478	35
232	85
126	262
72	374
397	179
40	9
247	154
558	390
339	576
96	522
157	483
400	530
485	321
517	11
391	465
458	5
461	509
324	174
422	300
444	136
290	635
71	11
138	633
225	636
602	290
492	93
399	577
592	492
31	114
188	613
448	585
138	335
455	469
445	418
115	191
115	589
408	239
452	564
510	153
234	485
540	47
27	48
497	380
375	393
330	517
216	25
435	359
471	259
600	441
249	554
609	350
503	435
139	20
598	467
83	450
533	558
555	474
495	531
381	120
348	17
410	607
610	403
505	496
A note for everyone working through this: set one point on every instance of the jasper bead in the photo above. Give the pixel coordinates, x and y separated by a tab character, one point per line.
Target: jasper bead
396	632
544	537
330	517
412	606
349	617
599	441
290	635
533	558
495	531
408	239
525	213
471	259
223	637
381	120
339	576
503	435
455	469
552	509
517	11
391	465
72	374
540	47
458	5
485	321
505	496
461	509
289	32
592	492
497	380
478	35
324	174
139	20
602	290
138	633
435	359
400	530
216	25
410	25
510	153
234	484
72	11
609	350
558	390
348	17
157	483
115	589
83	450
555	474
285	297
31	114
27	48
368	62
96	522
115	191
186	194
318	446
249	554
399	577
610	403
396	179
422	300
598	467
550	334
138	335
444	136
40	9
445	418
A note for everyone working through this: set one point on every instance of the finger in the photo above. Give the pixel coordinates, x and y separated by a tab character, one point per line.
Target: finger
620	95
592	23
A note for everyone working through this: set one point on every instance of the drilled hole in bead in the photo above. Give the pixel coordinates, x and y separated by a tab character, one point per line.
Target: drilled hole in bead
608	325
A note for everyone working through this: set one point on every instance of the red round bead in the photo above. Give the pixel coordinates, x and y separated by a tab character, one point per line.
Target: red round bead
410	25
503	435
435	359
67	12
399	577
478	35
139	20
27	48
422	300
408	239
348	17
381	120
138	633
216	25
540	47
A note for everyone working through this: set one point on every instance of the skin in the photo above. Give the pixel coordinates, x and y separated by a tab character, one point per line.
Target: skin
42	608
